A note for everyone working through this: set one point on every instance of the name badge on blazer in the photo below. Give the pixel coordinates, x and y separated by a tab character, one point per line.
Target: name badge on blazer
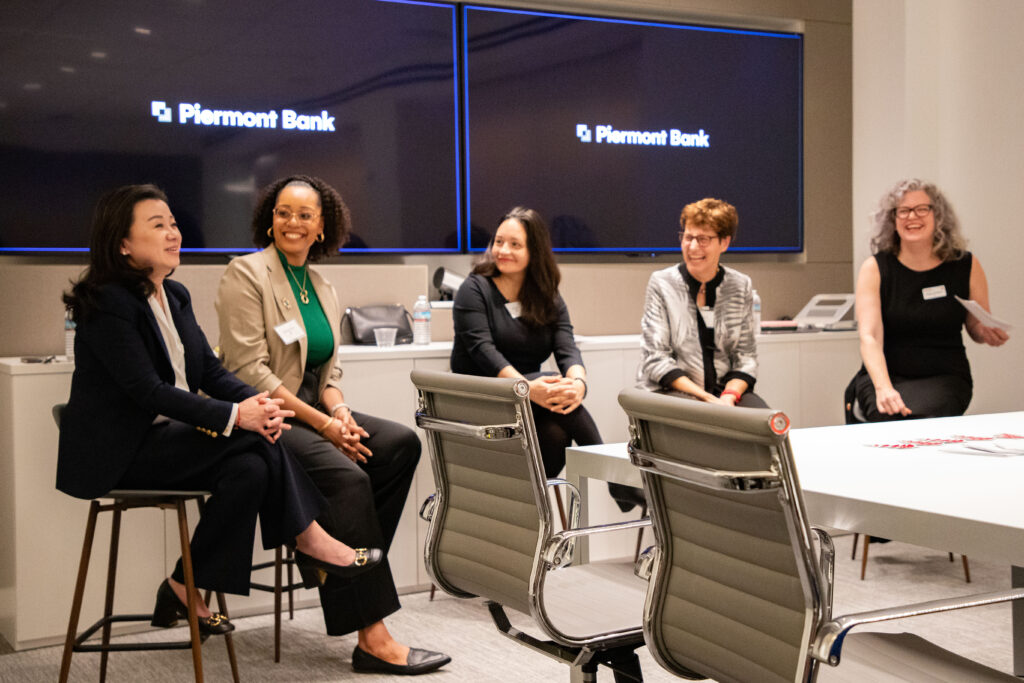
290	332
514	308
709	316
936	292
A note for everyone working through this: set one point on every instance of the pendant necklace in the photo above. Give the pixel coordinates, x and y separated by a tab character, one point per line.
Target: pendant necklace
303	292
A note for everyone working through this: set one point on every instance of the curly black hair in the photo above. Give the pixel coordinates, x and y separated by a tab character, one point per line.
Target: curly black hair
337	221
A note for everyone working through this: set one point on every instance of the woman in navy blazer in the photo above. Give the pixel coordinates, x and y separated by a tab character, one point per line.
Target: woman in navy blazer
135	419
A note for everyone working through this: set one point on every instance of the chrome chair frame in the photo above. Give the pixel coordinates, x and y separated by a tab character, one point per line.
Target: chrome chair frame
552	549
824	634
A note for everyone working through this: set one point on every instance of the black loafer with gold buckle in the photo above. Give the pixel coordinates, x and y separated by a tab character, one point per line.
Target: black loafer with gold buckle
366	559
169	609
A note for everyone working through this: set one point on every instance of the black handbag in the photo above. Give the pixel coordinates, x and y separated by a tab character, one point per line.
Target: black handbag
362	320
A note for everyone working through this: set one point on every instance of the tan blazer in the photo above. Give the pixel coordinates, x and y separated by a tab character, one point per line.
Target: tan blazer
253	298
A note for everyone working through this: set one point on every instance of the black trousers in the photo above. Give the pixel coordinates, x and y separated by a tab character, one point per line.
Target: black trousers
248	477
364	506
556	432
937	396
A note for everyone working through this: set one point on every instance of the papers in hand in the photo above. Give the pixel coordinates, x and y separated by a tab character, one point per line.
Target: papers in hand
986	318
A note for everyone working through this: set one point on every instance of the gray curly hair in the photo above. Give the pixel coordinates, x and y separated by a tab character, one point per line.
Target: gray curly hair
948	242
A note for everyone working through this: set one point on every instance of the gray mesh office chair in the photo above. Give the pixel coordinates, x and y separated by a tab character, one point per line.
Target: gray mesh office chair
491	532
736	590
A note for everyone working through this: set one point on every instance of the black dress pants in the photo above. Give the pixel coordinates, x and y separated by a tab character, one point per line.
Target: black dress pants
937	396
364	506
556	432
247	476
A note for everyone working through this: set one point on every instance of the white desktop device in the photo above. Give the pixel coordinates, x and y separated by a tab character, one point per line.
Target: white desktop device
827	312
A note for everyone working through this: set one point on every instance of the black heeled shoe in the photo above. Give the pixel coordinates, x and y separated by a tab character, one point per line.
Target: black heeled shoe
314	572
169	608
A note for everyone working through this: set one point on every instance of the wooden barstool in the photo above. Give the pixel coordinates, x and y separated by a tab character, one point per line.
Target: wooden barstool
280	561
864	558
123	500
128	500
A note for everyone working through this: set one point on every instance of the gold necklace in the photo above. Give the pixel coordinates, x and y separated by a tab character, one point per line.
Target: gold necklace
303	292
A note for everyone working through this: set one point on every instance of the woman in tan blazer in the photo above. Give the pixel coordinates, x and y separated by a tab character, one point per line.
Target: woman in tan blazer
280	328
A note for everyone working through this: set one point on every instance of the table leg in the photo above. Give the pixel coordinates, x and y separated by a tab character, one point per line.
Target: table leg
1017	581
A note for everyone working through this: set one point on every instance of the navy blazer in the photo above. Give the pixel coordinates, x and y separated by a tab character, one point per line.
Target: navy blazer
123	379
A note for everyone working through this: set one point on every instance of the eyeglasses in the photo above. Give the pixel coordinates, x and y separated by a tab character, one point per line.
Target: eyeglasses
921	210
701	240
285	216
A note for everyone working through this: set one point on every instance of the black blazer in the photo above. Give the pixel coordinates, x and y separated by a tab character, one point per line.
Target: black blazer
123	379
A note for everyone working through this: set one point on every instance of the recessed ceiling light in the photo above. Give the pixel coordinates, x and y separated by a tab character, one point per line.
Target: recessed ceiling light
68	69
33	86
98	54
142	31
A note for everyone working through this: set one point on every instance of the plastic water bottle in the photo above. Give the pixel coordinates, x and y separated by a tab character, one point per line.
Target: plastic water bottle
421	321
757	313
69	335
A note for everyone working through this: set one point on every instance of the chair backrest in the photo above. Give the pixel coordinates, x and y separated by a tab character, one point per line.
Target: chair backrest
490	515
734	588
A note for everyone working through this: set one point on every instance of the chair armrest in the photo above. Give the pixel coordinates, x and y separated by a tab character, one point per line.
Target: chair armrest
574	500
826	568
828	641
553	552
427	509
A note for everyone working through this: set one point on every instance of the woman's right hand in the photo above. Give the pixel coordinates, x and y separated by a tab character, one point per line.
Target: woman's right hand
264	415
347	436
551	391
889	401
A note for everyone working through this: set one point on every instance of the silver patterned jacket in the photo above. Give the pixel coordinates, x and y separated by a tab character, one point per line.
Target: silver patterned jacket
669	326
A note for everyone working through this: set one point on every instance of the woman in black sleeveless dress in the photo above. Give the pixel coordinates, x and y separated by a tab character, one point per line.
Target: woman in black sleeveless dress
909	318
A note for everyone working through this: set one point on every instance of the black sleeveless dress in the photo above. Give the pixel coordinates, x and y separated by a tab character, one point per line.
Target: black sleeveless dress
923	343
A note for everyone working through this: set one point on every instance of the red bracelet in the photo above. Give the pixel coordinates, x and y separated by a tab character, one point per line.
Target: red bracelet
733	392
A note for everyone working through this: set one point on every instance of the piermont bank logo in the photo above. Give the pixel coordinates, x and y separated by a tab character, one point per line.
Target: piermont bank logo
195	114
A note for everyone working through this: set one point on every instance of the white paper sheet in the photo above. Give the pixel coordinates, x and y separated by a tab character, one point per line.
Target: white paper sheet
986	318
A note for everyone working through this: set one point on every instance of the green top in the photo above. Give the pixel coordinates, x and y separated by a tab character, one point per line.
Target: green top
319	337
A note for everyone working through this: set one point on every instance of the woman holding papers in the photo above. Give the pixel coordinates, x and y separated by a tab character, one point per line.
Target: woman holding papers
908	312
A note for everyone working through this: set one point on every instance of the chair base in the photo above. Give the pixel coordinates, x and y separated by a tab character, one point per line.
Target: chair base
583	662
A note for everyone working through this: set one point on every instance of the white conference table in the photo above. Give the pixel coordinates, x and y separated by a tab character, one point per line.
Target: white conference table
971	504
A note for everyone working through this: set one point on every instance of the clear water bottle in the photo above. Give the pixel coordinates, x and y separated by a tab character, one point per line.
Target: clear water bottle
421	321
757	313
69	335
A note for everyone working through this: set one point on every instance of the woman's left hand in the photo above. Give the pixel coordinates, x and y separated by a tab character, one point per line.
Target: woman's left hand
993	336
568	396
352	445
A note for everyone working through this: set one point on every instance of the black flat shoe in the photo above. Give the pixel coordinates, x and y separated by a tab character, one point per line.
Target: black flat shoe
418	662
169	609
314	571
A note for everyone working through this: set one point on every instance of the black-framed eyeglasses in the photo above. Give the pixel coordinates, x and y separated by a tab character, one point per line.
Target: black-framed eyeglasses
701	240
921	210
284	215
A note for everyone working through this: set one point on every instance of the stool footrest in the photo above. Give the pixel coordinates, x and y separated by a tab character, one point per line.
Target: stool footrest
81	646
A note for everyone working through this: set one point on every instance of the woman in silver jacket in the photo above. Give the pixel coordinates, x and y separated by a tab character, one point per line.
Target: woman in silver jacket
698	324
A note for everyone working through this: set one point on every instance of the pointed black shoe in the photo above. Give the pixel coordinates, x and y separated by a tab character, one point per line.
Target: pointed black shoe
418	662
169	609
314	571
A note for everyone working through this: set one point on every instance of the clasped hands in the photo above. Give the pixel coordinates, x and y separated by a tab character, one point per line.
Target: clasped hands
556	393
347	435
264	415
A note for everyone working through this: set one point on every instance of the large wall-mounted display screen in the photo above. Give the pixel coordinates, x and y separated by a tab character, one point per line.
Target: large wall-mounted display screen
213	100
610	127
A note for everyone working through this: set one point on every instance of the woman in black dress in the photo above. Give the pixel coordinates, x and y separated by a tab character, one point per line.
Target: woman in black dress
509	317
910	321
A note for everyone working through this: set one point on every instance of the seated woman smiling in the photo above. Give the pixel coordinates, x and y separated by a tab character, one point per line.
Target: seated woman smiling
699	340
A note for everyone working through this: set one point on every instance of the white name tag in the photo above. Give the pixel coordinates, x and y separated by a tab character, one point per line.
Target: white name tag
514	308
290	332
709	316
936	292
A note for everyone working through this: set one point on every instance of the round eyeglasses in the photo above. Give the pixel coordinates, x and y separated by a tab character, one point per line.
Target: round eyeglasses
285	216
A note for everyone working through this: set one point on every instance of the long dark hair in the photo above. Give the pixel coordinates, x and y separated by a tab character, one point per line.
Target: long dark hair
540	286
337	222
111	223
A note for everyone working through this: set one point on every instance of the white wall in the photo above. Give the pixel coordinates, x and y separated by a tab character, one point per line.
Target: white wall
937	92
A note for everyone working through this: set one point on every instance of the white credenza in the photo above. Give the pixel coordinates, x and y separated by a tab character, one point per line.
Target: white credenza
41	528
